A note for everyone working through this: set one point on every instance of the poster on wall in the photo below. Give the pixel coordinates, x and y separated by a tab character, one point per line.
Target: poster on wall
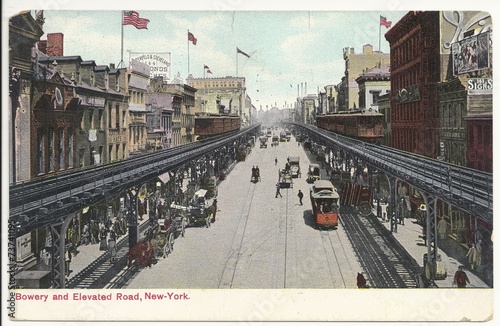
471	54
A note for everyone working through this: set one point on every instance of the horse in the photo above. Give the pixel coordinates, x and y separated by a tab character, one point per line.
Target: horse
142	252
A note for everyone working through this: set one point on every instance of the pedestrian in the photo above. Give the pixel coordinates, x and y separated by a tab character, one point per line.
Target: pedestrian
278	190
86	235
442	228
474	257
214	209
67	259
460	278
112	246
102	237
361	281
276	161
300	195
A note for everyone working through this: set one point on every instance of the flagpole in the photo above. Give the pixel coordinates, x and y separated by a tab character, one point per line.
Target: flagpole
236	62
188	52
121	60
379	38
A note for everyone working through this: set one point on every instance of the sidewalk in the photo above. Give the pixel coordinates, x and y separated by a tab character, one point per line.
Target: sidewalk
409	236
87	254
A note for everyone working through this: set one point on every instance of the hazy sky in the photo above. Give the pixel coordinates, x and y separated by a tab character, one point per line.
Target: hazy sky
297	44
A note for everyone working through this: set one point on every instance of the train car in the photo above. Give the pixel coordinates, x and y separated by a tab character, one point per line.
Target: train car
363	125
325	204
209	124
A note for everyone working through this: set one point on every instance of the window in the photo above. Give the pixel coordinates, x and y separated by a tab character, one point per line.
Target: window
110	153
117	117
71	148
51	150
60	151
41	146
110	116
375	97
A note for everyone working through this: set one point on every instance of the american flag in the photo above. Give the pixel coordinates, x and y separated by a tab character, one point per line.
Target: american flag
131	17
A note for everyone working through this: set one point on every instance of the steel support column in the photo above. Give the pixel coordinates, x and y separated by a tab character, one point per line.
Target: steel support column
431	238
133	224
392	204
58	235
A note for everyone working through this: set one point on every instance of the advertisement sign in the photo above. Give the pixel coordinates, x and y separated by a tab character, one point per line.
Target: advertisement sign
471	54
158	62
479	86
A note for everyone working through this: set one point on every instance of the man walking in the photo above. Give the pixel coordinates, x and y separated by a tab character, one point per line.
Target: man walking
300	195
278	190
460	278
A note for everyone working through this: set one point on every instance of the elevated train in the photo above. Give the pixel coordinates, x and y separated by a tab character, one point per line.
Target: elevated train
212	124
363	125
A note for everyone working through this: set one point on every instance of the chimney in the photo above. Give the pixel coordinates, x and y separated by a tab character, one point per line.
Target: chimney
55	42
352	50
111	66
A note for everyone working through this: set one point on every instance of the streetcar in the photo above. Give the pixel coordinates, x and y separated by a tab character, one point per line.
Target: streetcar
325	204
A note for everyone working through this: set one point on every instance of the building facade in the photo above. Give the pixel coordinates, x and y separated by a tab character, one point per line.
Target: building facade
355	64
137	87
372	84
230	90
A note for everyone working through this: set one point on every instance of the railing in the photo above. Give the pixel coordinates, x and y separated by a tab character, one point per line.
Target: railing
467	189
28	200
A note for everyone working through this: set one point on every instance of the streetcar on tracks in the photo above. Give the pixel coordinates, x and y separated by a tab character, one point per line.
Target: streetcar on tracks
325	204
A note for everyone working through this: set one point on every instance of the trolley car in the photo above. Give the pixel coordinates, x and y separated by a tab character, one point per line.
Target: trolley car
325	204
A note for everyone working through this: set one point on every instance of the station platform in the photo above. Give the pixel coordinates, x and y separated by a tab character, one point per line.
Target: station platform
452	254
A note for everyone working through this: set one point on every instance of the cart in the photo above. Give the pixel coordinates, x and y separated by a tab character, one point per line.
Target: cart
285	179
161	235
255	175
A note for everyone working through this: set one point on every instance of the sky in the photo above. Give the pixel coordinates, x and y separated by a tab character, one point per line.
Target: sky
300	43
286	48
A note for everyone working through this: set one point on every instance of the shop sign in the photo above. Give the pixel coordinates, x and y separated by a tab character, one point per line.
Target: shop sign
408	94
92	101
479	86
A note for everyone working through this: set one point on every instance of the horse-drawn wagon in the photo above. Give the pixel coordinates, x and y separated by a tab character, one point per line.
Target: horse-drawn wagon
255	175
285	178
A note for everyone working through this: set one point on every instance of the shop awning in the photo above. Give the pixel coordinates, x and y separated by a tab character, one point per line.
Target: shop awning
165	177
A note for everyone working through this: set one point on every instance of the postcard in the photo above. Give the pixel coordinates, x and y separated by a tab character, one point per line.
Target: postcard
247	162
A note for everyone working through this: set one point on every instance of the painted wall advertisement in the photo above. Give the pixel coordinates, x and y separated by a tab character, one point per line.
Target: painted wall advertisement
158	62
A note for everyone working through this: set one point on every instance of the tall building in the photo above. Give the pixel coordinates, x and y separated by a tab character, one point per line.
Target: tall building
137	87
24	32
355	64
441	101
230	90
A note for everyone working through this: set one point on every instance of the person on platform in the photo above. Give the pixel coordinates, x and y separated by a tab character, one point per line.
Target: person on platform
460	278
112	246
442	228
474	255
